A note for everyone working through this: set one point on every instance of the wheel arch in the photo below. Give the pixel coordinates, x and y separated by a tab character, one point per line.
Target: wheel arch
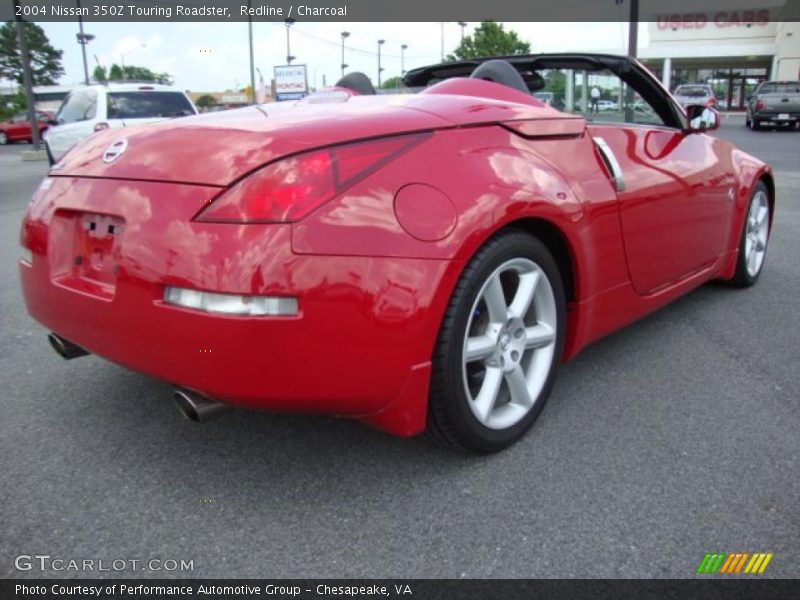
558	245
769	181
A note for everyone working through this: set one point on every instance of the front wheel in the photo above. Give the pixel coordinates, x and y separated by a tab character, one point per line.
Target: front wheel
754	239
499	345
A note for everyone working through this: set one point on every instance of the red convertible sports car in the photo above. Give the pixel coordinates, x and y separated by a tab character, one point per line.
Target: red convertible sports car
420	262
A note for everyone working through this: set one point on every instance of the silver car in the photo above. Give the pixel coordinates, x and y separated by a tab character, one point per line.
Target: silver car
695	93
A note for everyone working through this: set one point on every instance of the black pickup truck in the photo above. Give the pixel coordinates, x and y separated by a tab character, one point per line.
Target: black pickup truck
774	103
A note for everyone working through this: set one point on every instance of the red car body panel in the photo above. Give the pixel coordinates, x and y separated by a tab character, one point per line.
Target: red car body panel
372	269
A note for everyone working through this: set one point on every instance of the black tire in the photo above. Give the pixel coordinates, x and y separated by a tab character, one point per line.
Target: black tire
742	277
747	122
755	124
450	417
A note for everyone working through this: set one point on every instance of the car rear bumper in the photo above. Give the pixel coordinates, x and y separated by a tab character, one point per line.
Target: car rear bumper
777	117
360	343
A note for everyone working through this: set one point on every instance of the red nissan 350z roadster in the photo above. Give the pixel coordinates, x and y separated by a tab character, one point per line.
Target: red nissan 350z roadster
419	261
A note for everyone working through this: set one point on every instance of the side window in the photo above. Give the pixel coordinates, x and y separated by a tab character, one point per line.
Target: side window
599	95
19	118
78	106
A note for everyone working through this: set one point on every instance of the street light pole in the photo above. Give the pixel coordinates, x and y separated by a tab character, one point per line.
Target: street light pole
83	39
252	60
345	35
380	68
289	57
462	24
403	49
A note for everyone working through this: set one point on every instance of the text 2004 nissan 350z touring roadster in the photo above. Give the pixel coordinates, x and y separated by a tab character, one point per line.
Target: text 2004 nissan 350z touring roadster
420	261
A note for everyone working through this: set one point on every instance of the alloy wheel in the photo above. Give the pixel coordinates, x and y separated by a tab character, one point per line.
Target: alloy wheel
509	343
756	232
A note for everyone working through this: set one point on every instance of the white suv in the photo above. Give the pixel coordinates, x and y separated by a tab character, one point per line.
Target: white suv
97	107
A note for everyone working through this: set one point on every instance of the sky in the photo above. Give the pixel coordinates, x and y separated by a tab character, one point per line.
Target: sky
204	57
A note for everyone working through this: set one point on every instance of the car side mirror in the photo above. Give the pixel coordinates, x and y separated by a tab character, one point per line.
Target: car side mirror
702	118
52	122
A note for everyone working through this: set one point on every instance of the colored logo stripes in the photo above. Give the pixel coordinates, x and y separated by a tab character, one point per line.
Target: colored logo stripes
734	562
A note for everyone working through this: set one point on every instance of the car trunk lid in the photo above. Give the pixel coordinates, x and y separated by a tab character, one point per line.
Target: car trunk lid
219	148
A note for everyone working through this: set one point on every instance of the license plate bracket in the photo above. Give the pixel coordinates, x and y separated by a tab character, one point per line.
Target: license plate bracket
92	262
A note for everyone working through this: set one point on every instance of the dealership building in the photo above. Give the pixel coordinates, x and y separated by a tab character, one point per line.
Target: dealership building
733	51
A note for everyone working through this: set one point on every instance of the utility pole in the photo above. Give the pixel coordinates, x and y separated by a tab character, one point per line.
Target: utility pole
27	77
252	61
403	49
462	24
345	35
633	28
289	57
441	37
633	38
83	39
380	68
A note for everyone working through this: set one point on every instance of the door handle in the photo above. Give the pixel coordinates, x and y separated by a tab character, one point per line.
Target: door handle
611	162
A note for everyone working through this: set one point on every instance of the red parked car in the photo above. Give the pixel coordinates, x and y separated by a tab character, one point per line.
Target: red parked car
17	128
418	261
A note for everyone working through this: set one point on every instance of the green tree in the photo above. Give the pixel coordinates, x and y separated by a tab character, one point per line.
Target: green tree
205	101
99	74
392	83
45	60
490	39
132	73
12	104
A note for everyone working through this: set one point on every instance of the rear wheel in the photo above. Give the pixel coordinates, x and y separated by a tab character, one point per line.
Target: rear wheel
499	346
754	239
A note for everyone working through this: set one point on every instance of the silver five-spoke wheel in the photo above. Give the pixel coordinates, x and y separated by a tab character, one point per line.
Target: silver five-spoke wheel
509	344
756	232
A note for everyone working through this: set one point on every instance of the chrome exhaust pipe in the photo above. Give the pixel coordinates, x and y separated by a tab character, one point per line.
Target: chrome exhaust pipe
65	349
198	408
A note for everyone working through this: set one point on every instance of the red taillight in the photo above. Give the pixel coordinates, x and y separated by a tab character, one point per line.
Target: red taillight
289	189
100	126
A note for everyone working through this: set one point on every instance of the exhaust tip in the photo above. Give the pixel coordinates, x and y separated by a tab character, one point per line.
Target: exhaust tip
64	348
186	406
197	408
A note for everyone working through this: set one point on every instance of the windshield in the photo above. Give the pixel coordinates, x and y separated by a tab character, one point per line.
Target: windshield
148	105
788	87
693	91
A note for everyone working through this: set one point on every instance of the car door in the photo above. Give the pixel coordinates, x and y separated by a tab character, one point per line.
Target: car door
19	128
675	199
75	121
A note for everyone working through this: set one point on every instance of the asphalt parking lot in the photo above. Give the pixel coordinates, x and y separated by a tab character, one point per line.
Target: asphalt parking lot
672	438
